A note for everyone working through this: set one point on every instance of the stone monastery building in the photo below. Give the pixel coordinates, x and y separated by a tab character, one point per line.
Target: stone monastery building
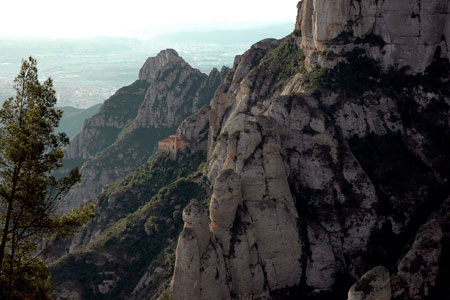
173	144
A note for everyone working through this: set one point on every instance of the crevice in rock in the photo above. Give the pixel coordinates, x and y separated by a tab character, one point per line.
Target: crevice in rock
301	203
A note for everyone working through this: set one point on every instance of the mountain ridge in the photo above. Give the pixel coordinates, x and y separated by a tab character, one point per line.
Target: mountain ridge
122	132
320	145
326	174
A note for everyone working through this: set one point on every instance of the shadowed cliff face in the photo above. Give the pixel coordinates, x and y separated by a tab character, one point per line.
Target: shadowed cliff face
124	134
322	173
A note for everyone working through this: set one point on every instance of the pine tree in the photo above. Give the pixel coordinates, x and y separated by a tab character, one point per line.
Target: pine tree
30	151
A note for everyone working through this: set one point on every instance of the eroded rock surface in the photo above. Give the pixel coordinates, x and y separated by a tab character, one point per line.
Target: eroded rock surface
328	176
374	285
195	129
408	31
124	134
419	268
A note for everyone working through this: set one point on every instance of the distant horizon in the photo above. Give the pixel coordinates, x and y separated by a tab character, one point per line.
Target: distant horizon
237	27
56	19
88	70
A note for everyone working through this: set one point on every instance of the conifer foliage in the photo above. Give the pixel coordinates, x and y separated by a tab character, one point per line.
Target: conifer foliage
30	151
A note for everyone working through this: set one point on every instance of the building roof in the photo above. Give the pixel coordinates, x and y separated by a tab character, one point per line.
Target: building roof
165	141
177	137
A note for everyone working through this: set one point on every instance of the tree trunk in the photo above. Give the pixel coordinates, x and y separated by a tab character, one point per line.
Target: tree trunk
11	267
8	215
5	233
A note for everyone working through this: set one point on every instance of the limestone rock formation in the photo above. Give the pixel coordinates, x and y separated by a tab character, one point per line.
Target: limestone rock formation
331	162
328	154
419	268
124	134
407	31
192	243
195	129
176	91
374	285
165	59
416	273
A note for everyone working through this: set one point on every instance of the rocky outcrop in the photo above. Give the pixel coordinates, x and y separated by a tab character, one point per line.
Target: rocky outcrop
192	243
416	273
407	32
124	134
176	91
195	129
419	268
374	285
165	59
331	164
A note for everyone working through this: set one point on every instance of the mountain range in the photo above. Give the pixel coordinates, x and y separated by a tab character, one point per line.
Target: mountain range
87	71
319	168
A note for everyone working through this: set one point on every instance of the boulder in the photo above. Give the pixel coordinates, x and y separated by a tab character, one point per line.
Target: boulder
374	285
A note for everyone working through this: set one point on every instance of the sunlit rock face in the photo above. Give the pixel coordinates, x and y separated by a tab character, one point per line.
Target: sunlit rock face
412	30
315	185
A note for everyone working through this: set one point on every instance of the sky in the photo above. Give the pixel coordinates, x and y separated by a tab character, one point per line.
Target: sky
135	18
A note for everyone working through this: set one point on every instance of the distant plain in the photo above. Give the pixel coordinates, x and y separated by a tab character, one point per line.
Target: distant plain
87	71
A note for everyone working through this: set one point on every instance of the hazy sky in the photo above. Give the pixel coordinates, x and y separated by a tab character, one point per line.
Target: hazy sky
134	18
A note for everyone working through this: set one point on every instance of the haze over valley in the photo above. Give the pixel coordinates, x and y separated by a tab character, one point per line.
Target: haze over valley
87	71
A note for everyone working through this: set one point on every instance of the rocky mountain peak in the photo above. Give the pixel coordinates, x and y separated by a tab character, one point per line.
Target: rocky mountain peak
168	91
396	33
155	64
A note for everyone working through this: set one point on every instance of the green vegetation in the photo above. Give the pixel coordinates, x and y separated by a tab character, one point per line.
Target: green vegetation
315	79
359	74
282	63
355	75
132	148
29	151
394	169
135	189
151	200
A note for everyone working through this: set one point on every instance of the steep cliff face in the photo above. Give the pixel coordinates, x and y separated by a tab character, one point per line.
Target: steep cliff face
124	134
322	173
101	130
195	128
162	106
165	59
410	30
